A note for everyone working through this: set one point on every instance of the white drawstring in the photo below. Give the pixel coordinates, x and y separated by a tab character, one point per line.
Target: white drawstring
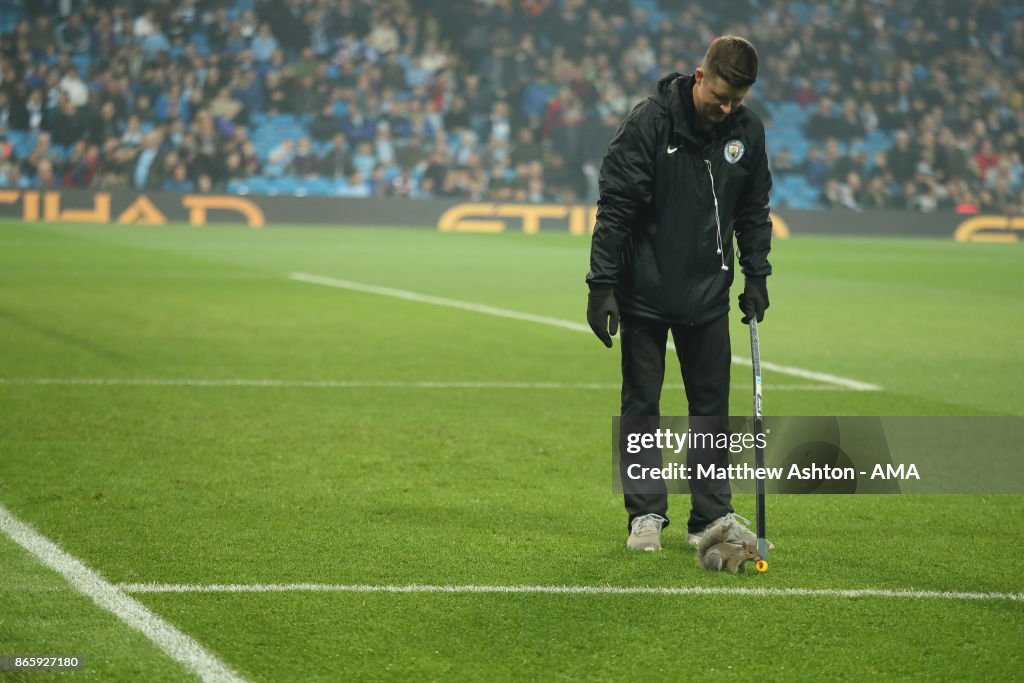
718	223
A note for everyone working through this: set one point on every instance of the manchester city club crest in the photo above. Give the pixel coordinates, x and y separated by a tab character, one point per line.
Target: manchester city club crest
734	151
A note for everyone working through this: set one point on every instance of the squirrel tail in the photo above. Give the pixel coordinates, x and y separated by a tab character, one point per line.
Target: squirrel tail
714	535
712	560
708	556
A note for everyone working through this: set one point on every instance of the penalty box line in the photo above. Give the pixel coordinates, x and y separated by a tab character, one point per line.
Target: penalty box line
571	590
177	645
844	382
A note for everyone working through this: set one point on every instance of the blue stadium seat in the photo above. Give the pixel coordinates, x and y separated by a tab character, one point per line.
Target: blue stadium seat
259	185
318	186
283	120
339	187
286	184
11	12
82	63
23	141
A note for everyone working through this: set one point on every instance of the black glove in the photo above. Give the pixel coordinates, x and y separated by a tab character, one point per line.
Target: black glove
603	314
754	299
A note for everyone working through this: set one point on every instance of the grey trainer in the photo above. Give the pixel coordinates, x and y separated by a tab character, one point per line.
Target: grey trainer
694	539
645	533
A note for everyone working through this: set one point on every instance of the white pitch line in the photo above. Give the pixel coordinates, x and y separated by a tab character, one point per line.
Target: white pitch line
586	590
844	382
346	384
175	644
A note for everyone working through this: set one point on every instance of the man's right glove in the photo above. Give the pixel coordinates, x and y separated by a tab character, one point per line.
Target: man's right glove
754	299
603	314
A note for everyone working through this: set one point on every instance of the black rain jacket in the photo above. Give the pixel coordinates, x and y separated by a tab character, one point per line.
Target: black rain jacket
656	239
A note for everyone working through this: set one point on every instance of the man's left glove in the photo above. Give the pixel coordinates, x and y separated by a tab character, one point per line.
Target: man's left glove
603	314
754	299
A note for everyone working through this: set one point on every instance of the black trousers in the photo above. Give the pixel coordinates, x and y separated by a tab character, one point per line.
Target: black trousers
705	358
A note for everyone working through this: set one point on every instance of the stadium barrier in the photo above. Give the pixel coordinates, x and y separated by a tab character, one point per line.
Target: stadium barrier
163	208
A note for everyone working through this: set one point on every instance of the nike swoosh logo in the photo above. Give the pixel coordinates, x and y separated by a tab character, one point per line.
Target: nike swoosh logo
671	149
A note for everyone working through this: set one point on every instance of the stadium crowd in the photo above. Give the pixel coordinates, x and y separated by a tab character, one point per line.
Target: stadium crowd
873	104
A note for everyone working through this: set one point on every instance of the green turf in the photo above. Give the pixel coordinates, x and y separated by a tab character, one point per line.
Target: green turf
42	615
182	484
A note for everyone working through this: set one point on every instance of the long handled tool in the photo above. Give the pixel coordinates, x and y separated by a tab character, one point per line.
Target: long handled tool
755	356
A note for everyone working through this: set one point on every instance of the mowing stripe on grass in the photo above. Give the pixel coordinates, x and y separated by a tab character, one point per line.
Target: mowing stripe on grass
345	384
585	590
844	382
175	644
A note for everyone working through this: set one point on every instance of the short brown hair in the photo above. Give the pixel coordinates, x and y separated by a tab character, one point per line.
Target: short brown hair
733	59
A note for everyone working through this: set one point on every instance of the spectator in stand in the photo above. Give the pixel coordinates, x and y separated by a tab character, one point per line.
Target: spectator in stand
304	163
73	37
66	124
532	81
782	163
232	170
263	45
985	159
44	178
178	181
171	104
247	90
364	159
9	173
527	148
499	123
839	164
225	106
148	172
384	145
824	124
337	163
457	118
838	195
816	168
874	195
153	42
880	166
144	110
5	110
83	167
106	125
280	159
356	126
850	126
326	124
32	116
74	87
115	165
133	132
902	158
250	161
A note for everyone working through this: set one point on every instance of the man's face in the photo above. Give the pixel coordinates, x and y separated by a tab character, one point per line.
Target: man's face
714	98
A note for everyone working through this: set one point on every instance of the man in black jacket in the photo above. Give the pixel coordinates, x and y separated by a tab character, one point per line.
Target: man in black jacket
686	170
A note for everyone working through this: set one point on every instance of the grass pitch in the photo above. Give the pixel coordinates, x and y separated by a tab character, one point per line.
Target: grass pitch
405	476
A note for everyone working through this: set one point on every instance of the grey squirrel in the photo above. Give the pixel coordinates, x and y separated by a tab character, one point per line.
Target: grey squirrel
725	546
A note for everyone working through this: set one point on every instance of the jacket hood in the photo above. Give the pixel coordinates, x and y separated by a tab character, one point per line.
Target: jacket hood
675	94
666	81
